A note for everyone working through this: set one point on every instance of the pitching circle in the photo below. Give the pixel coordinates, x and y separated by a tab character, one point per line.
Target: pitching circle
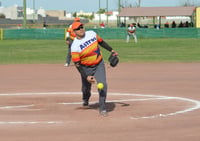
145	97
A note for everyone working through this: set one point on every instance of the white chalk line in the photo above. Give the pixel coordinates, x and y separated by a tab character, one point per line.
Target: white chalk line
29	122
196	104
19	107
22	106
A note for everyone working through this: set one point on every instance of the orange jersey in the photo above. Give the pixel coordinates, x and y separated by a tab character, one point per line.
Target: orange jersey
70	33
87	50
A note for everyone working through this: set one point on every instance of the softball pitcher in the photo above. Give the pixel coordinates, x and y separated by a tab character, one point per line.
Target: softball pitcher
87	56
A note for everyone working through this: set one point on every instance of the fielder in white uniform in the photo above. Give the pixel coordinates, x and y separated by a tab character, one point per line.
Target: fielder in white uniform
131	32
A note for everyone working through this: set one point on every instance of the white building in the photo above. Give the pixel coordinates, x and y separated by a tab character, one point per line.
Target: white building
16	12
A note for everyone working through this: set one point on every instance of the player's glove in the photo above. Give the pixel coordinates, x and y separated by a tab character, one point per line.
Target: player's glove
113	59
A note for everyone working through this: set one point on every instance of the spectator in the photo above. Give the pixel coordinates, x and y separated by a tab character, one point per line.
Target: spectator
122	24
138	24
181	24
44	25
186	24
166	25
173	24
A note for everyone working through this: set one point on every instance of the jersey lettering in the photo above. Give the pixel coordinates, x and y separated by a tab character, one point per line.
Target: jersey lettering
87	50
82	46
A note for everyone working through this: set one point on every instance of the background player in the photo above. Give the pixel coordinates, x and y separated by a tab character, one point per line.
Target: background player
70	35
131	31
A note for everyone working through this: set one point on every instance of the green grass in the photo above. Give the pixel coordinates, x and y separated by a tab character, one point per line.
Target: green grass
145	51
159	50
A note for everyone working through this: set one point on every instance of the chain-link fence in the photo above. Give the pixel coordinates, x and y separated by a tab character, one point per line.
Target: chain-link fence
106	33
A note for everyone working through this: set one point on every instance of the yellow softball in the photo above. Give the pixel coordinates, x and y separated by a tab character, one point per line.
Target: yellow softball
100	86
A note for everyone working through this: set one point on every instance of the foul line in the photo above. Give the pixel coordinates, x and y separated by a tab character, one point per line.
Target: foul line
196	105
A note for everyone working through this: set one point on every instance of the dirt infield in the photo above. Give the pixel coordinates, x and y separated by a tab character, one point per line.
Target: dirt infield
146	102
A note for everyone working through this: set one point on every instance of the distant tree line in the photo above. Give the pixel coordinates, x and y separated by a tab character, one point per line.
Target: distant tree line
125	3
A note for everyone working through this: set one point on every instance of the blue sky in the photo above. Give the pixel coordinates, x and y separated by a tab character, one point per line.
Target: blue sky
90	5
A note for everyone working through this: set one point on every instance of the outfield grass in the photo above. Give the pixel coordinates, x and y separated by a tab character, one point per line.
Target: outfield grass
145	51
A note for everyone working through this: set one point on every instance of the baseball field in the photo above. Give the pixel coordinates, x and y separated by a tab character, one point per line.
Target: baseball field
153	93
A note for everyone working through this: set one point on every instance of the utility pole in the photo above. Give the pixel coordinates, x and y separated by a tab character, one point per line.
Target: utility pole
107	11
139	3
24	13
118	18
34	11
99	11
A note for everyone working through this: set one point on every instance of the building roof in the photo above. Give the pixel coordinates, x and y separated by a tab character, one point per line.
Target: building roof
156	11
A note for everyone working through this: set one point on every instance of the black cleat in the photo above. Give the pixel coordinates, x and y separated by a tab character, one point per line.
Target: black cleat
85	103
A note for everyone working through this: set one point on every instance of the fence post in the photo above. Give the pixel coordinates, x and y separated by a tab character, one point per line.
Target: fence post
65	33
1	33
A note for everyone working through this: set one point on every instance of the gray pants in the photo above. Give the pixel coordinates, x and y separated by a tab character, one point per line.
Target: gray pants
133	35
68	57
99	73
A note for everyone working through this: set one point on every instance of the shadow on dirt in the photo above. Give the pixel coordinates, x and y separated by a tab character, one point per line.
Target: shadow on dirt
109	105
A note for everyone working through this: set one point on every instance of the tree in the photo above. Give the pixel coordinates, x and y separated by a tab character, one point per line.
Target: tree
190	3
139	3
101	11
125	3
2	16
74	14
91	17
